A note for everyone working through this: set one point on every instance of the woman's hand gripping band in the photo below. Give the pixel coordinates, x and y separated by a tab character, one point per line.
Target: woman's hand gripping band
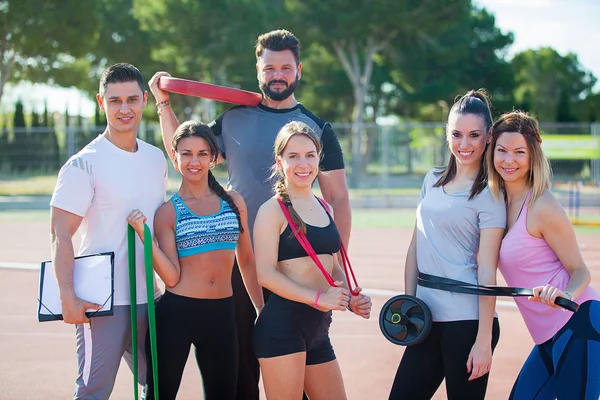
335	298
360	304
547	295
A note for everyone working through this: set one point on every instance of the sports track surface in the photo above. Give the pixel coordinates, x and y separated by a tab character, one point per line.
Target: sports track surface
37	360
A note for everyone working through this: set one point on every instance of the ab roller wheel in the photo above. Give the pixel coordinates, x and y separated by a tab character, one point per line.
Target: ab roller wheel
405	320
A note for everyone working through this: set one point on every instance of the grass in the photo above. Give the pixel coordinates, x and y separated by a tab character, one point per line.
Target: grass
361	218
24	215
43	185
405	191
26	186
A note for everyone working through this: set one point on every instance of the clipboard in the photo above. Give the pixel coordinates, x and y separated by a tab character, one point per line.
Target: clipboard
93	278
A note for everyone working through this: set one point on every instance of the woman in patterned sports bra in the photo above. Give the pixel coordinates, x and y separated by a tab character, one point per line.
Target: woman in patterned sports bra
198	234
291	336
540	251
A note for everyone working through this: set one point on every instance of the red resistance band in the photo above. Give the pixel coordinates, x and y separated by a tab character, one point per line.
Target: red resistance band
310	251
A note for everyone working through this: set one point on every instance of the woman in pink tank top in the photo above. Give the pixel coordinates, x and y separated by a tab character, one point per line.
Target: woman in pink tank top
540	251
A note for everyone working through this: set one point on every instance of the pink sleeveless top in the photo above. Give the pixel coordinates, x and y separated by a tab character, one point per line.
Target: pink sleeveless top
527	261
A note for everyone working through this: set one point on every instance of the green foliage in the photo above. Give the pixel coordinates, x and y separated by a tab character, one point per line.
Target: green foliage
423	53
322	75
462	55
548	82
35	120
40	39
588	109
51	150
4	146
20	142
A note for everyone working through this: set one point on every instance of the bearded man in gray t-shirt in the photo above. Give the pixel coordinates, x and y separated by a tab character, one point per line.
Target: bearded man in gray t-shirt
246	136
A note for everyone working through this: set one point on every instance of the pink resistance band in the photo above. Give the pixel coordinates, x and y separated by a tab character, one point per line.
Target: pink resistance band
310	251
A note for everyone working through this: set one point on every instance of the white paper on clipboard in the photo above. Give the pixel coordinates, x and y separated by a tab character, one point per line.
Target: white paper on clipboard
93	278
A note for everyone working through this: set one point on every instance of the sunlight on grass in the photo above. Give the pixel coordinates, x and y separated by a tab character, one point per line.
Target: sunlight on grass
361	218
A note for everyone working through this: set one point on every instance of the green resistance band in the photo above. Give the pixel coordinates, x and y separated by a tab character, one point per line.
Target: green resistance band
133	302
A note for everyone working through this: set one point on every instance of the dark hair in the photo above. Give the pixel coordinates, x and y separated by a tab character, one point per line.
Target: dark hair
201	130
278	40
121	72
475	102
285	134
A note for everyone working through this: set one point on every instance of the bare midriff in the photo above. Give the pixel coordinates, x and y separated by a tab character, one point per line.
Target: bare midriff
304	272
205	275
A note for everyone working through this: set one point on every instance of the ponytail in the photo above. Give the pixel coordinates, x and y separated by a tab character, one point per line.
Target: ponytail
216	187
281	191
474	102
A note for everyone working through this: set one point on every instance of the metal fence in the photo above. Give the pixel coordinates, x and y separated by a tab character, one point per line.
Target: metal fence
394	155
393	152
43	150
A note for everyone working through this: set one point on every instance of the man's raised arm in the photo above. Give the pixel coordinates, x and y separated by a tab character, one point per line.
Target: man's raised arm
168	120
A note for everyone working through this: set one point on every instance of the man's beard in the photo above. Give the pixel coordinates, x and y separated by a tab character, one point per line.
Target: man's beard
282	95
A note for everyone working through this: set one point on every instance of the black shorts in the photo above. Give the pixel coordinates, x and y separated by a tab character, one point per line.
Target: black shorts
287	327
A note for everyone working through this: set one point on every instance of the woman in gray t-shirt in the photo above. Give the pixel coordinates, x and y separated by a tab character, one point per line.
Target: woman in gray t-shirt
456	217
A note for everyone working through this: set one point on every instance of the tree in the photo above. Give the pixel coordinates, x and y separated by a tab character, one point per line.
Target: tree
325	86
41	37
19	144
468	55
563	108
4	145
588	110
99	122
359	32
548	81
118	38
51	159
213	41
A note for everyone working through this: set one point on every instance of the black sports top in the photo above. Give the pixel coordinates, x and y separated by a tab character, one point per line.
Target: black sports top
325	240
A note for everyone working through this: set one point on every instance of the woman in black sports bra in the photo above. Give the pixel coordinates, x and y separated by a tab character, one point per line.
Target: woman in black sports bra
291	336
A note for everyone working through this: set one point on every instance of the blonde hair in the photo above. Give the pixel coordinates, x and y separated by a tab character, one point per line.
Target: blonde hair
539	167
285	134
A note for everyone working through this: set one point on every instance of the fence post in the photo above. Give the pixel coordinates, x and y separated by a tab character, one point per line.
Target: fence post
142	134
595	162
356	134
70	141
385	159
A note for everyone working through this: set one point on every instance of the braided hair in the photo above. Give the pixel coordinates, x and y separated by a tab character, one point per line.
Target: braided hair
285	134
201	130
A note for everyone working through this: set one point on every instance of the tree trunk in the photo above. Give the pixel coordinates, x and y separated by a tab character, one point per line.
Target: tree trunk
360	78
357	136
5	66
372	134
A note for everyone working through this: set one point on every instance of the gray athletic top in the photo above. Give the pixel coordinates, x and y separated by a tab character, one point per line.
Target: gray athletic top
246	137
448	231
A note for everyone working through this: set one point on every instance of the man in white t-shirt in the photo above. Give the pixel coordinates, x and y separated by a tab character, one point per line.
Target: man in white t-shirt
96	190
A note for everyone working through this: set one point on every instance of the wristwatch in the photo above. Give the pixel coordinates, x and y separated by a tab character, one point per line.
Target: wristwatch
568	294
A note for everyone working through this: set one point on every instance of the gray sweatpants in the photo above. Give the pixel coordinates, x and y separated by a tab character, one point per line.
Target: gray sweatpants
100	346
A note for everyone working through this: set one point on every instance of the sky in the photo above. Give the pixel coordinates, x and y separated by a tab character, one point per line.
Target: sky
565	25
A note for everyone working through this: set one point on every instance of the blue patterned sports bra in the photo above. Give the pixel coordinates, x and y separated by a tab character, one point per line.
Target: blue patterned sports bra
195	234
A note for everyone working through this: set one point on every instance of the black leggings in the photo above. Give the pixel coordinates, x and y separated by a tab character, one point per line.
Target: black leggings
443	354
245	315
567	366
208	324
